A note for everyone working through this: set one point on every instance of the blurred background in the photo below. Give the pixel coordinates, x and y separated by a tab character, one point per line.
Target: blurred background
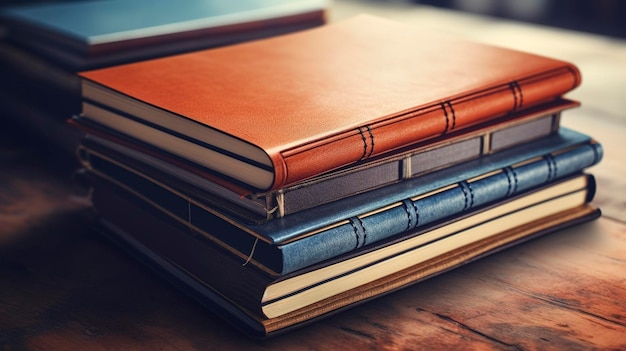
606	17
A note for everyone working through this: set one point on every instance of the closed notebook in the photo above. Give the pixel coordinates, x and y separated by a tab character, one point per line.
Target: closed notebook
101	147
274	112
89	34
297	241
262	306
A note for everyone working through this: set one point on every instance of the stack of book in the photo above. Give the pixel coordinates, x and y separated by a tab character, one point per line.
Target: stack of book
43	45
282	180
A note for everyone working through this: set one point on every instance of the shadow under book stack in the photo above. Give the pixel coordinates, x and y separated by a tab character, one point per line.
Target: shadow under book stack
282	180
44	45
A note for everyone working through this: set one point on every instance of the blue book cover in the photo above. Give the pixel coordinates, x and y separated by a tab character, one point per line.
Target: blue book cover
88	34
293	242
251	299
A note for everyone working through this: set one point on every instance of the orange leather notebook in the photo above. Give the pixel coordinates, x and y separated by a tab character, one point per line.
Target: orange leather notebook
277	111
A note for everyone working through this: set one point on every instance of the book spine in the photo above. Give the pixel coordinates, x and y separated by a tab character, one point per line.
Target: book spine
415	212
423	123
259	207
193	254
376	174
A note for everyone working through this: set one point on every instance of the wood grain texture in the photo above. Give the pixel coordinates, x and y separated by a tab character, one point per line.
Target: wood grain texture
62	287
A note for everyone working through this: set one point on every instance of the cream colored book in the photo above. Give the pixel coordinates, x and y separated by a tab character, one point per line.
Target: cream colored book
263	305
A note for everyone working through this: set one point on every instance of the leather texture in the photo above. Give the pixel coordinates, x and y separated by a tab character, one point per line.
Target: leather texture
294	242
465	195
197	266
327	97
390	168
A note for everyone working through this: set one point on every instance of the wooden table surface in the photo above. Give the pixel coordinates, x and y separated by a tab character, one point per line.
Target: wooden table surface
62	287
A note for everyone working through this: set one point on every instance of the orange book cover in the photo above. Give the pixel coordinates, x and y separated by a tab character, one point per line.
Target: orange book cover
301	104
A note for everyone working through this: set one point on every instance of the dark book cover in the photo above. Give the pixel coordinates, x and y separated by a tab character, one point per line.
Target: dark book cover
293	242
235	292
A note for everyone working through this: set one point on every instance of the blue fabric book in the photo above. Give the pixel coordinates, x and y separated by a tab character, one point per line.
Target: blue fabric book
90	34
294	242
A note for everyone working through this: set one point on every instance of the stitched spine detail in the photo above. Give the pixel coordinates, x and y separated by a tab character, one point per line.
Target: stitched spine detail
471	191
445	114
511	176
368	147
463	186
411	213
359	232
551	167
512	87
408	215
450	115
521	95
356	233
364	241
369	131
515	179
507	173
518	95
453	115
364	144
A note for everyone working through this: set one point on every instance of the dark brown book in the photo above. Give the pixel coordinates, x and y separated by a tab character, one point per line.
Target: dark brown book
263	305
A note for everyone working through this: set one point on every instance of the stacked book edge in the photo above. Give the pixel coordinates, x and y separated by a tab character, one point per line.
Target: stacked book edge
283	180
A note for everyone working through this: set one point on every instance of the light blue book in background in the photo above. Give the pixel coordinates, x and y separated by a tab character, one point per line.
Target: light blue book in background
89	34
287	244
